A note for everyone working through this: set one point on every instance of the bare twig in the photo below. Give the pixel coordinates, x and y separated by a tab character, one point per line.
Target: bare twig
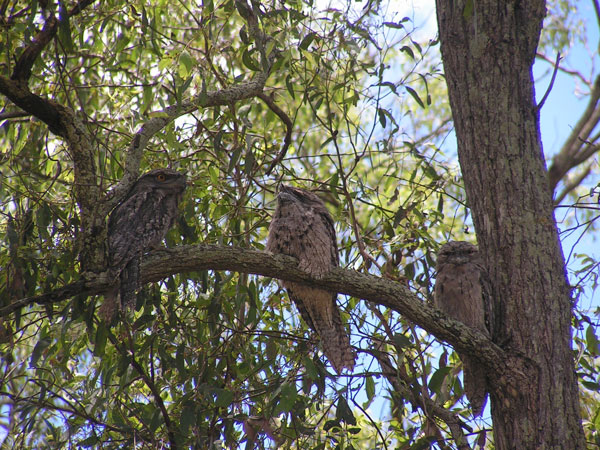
402	387
570	185
288	130
574	73
150	384
576	148
162	118
547	93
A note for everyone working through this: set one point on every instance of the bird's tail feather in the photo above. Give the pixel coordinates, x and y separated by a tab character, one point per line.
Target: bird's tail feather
475	381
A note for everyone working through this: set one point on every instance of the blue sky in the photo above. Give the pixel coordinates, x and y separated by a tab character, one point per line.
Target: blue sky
563	107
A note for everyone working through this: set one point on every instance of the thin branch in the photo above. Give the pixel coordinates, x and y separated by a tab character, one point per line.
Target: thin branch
13	115
556	66
171	432
42	108
570	185
401	386
162	118
22	70
564	70
225	96
288	130
63	122
568	156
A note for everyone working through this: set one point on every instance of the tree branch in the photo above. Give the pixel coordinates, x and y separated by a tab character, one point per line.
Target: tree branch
63	122
22	71
402	386
288	130
166	262
208	99
547	93
571	153
571	184
44	109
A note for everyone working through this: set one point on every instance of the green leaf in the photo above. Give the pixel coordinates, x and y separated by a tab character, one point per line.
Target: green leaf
408	51
308	39
402	341
64	28
100	339
249	162
591	385
164	63
381	114
343	412
39	348
186	64
591	340
438	378
390	85
289	86
249	62
223	397
88	442
331	424
188	415
287	398
370	388
394	25
414	95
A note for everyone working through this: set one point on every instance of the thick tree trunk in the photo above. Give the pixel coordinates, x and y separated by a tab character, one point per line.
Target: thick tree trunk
488	48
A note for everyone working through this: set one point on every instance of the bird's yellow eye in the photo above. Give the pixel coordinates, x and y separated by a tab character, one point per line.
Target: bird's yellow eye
161	177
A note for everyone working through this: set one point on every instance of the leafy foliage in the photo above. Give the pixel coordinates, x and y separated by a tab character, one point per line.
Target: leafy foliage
215	359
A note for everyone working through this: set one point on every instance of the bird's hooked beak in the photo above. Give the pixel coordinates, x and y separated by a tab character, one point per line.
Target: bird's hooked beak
285	194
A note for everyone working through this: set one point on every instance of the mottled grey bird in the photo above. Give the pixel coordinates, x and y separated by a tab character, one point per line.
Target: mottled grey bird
462	291
302	228
137	224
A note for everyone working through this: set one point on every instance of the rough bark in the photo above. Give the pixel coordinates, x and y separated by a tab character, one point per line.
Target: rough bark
162	263
488	48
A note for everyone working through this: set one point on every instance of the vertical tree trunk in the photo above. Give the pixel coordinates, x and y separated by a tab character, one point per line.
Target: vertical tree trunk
488	48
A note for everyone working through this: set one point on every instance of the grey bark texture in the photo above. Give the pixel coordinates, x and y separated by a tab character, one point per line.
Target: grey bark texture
488	48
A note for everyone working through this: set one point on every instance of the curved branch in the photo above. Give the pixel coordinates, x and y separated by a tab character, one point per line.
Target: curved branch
22	70
166	262
576	148
288	130
42	108
401	385
570	185
162	118
549	89
226	96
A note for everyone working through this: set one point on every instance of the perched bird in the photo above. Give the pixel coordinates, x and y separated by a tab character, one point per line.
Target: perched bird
463	292
302	228
137	224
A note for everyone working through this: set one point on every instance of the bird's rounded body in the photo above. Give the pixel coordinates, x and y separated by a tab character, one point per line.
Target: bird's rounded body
462	291
140	222
303	228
